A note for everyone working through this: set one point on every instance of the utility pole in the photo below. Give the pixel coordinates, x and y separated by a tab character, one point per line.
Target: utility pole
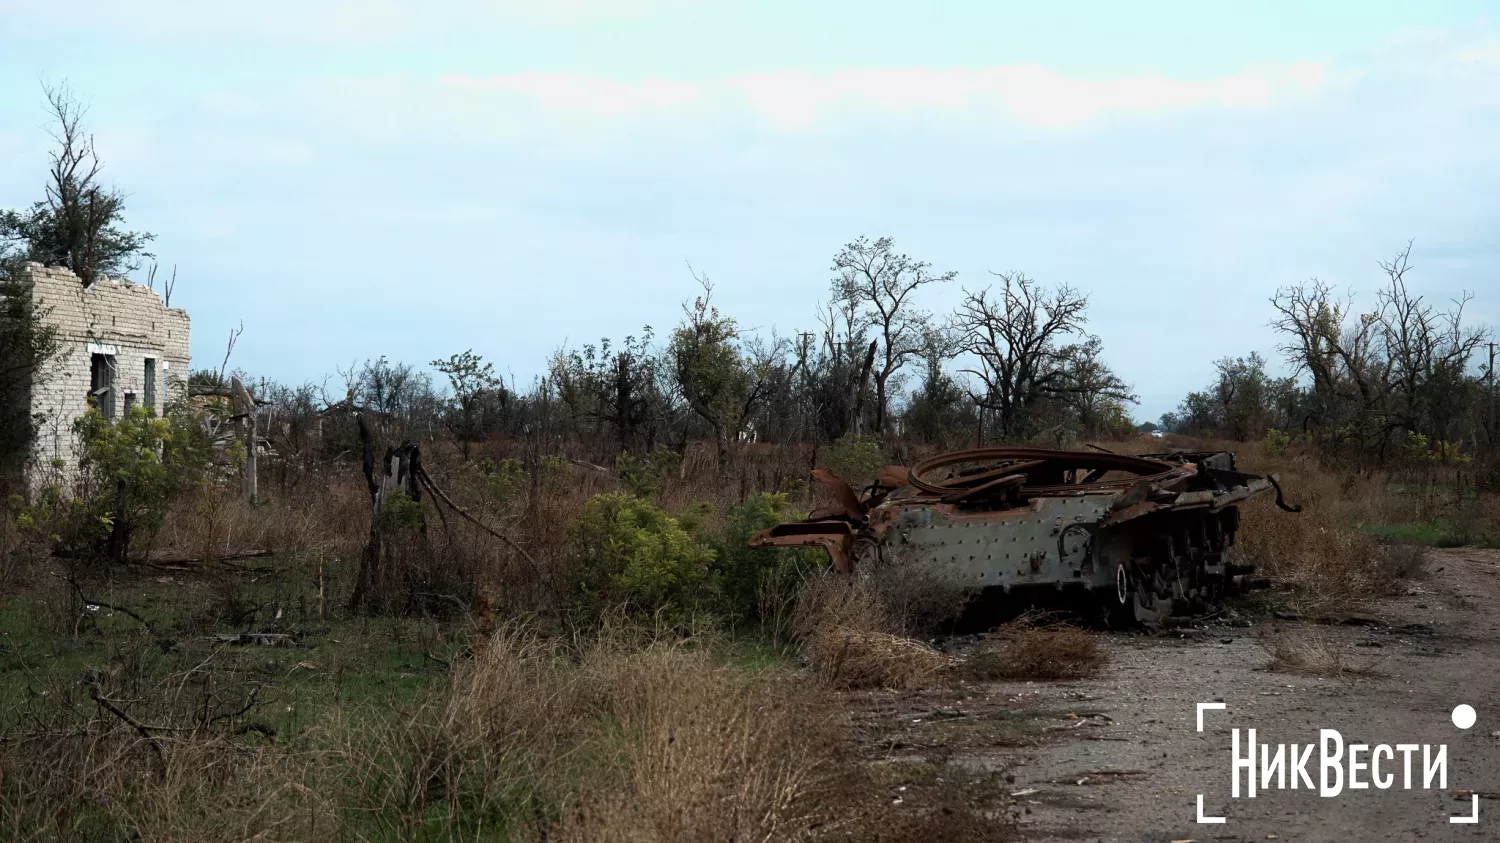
1492	429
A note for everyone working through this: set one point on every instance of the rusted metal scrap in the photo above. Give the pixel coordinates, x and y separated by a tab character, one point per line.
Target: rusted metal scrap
1148	536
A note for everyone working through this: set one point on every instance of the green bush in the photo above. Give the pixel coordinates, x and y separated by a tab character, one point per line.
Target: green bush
1275	442
626	551
642	474
130	471
701	520
742	574
857	459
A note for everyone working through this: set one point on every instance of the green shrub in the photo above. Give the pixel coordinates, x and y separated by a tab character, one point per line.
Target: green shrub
1275	442
627	552
642	474
502	479
553	474
130	471
700	519
742	574
857	459
399	514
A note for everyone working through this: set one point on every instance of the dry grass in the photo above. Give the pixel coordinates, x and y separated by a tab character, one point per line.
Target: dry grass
1310	653
1028	649
624	740
629	737
1325	562
708	754
847	635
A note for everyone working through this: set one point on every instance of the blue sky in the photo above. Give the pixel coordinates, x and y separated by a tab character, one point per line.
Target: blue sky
413	179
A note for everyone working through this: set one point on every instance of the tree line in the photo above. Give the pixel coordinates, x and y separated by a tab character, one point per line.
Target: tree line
1013	362
1406	378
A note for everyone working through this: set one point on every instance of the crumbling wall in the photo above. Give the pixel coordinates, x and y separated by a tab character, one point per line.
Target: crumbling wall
112	316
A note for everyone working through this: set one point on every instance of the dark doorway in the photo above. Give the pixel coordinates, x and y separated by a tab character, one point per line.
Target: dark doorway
102	384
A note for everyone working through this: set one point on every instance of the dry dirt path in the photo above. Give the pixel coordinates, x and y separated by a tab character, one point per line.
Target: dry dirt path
1143	762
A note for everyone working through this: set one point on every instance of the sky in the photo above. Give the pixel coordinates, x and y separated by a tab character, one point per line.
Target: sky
356	179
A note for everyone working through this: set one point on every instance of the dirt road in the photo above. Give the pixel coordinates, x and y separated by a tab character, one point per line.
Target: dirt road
1119	758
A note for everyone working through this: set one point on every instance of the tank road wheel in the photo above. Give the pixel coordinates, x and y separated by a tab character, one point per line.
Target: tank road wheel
865	555
1153	599
1120	605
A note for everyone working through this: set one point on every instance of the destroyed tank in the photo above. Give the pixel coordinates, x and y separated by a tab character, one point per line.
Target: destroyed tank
1148	536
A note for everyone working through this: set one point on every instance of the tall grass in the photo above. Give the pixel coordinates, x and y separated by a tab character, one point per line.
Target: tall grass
618	738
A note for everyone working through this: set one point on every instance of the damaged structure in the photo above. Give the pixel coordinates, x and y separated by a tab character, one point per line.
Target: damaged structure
1147	536
120	348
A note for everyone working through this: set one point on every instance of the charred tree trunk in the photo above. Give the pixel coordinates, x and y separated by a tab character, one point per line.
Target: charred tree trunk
856	424
244	410
118	546
400	469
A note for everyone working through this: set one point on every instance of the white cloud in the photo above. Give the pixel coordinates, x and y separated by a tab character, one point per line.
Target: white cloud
1487	54
571	92
1028	94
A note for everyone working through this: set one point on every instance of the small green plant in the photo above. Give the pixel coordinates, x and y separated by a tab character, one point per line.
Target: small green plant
553	473
637	473
398	514
501	483
1275	442
643	474
700	519
1449	453
857	459
627	552
1418	449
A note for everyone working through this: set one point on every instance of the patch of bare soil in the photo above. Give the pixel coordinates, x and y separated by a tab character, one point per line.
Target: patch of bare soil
1119	757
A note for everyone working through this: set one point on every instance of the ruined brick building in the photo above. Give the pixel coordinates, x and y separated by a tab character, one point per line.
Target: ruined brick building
121	347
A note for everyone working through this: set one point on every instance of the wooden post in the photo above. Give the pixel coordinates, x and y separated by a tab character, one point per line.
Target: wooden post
1494	431
244	407
322	591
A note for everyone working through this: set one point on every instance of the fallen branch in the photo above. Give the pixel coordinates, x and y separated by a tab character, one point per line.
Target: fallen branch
140	728
161	558
151	628
268	732
582	464
440	495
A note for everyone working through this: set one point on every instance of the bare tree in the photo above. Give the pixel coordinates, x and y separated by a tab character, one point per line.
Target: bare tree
1016	337
77	224
873	277
1095	393
1427	352
1400	367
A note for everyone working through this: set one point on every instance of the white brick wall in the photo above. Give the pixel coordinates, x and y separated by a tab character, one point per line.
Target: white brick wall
130	319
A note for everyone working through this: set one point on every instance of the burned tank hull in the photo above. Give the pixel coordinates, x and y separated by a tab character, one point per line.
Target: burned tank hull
1146	536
